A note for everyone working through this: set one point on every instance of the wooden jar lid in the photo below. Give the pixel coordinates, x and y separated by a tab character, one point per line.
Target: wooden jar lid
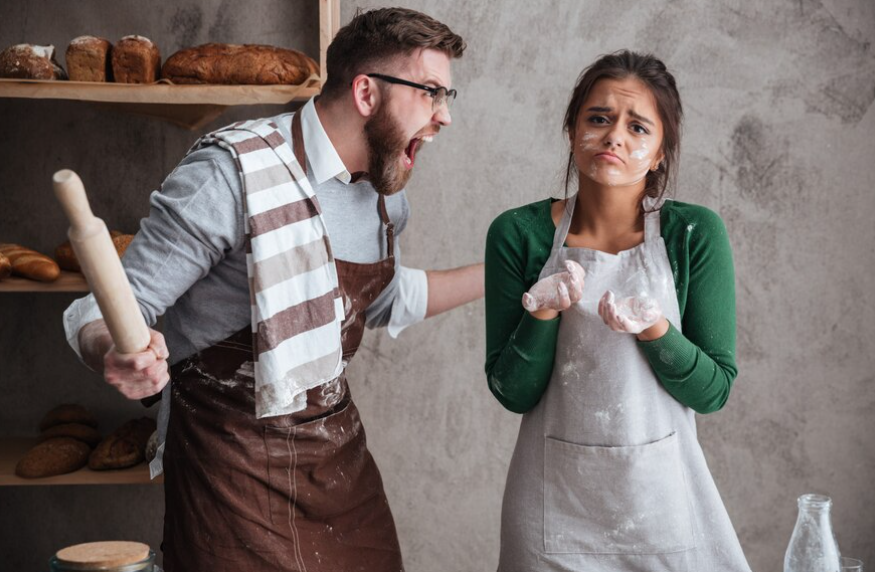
104	554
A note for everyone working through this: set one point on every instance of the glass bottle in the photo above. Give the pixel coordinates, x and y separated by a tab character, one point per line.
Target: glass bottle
813	547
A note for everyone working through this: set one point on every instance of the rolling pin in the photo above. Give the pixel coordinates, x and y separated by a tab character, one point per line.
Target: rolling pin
101	266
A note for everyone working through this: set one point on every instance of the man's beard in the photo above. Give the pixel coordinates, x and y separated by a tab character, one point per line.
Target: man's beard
386	142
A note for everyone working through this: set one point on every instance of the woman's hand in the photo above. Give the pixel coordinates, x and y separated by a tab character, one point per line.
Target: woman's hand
633	315
555	293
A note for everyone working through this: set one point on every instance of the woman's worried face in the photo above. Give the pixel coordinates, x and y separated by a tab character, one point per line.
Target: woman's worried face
618	137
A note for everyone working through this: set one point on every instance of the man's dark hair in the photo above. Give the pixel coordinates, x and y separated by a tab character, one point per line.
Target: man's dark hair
379	36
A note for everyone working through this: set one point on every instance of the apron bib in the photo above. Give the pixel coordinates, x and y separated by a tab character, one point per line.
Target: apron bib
293	493
608	474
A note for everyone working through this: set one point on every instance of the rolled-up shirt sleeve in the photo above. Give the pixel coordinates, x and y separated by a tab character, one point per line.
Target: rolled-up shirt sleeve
402	303
193	221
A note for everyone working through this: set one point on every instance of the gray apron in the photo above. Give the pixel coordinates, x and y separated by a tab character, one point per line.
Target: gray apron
607	474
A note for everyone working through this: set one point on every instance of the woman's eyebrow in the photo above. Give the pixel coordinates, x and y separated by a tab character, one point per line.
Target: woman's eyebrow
641	118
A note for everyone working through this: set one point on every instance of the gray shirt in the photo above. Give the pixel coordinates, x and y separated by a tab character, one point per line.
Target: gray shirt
188	260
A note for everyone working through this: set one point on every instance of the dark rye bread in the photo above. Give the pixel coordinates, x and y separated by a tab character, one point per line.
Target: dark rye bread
88	435
53	457
124	447
67	413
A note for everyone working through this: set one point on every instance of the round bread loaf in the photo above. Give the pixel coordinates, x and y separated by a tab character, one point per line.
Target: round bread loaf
67	413
27	61
53	457
125	447
88	435
65	256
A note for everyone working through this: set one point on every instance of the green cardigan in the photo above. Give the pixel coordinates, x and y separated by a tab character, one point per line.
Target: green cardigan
697	367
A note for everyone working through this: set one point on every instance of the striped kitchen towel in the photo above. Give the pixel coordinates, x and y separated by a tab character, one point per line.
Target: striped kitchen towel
297	308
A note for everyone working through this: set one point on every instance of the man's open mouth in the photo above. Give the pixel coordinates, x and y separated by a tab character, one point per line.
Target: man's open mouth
413	147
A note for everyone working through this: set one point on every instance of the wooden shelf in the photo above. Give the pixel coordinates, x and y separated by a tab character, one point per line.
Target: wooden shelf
67	282
158	93
13	448
189	106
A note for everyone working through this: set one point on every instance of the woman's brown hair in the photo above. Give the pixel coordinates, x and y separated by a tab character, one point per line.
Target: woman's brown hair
378	36
653	73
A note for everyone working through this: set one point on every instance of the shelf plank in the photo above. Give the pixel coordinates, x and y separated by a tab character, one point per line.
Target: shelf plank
13	448
66	282
158	93
187	106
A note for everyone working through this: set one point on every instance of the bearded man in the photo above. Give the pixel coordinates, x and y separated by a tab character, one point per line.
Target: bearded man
268	250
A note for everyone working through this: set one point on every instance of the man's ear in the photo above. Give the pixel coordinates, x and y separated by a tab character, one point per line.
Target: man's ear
366	95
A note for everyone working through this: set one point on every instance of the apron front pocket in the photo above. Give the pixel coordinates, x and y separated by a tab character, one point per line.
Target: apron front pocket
615	500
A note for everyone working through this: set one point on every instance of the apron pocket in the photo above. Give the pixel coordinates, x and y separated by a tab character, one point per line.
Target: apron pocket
615	500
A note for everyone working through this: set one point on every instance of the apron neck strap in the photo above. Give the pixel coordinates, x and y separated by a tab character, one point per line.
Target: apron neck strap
390	226
652	209
565	223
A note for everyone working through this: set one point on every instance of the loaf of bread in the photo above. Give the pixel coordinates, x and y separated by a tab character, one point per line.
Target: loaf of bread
53	457
125	447
67	413
85	433
88	59
238	64
135	59
26	61
30	263
5	267
66	257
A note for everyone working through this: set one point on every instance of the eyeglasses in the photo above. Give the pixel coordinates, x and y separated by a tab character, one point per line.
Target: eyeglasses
439	95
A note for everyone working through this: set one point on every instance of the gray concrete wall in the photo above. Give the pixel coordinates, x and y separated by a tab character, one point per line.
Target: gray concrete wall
778	140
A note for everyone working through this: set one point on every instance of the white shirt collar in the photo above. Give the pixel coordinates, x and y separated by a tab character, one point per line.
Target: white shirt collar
321	154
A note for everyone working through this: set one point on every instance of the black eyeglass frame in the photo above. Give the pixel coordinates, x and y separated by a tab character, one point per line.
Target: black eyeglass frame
449	94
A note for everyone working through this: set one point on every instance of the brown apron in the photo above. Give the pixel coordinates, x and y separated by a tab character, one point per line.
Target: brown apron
295	493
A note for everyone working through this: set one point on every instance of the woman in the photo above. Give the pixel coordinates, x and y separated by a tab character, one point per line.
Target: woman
610	323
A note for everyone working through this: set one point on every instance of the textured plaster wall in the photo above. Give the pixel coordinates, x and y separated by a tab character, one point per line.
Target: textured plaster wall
778	140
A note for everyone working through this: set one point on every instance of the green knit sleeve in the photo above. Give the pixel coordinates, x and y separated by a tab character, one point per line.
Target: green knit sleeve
697	367
519	348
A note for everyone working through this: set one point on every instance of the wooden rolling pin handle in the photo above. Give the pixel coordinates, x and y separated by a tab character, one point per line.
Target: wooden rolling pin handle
101	266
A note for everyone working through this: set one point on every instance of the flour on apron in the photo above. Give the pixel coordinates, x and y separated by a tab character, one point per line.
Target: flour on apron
608	474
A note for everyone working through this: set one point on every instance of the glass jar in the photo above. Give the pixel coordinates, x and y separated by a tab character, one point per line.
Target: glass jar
813	547
113	556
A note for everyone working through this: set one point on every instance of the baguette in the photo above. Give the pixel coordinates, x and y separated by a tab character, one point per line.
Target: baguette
250	64
5	267
30	263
